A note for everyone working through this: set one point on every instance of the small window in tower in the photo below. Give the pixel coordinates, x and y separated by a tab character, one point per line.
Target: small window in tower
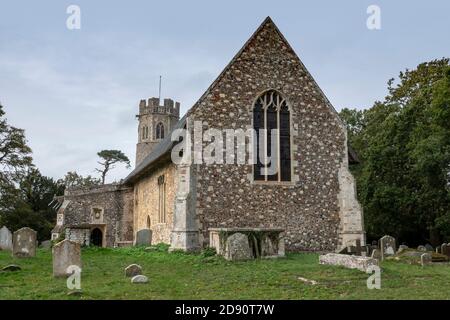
160	131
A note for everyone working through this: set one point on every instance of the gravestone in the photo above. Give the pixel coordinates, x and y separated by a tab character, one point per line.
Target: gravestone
445	249
352	262
65	253
144	237
24	243
425	259
139	279
237	247
5	239
421	248
133	270
429	247
401	248
387	246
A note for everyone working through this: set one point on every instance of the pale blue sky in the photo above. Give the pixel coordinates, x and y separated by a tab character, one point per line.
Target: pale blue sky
76	92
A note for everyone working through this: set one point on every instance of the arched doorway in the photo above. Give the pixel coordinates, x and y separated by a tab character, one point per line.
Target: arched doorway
97	237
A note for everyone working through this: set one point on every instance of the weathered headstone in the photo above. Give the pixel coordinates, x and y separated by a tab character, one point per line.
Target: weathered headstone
5	239
429	247
24	243
387	246
425	259
348	261
237	247
139	279
144	237
133	270
445	249
421	248
65	253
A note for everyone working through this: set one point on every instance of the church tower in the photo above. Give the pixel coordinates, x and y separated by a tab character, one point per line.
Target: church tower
155	123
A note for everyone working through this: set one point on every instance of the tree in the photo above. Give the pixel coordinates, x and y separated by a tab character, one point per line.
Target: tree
404	147
73	179
110	158
15	155
28	204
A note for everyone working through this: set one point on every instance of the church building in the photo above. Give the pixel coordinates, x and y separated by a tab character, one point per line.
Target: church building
310	198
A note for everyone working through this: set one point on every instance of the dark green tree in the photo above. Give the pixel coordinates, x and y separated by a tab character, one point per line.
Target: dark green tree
403	143
15	155
28	205
73	179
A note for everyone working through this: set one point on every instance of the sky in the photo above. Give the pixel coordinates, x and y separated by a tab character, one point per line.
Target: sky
76	91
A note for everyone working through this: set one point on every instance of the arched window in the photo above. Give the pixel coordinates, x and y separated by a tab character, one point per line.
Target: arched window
160	131
149	222
144	132
271	121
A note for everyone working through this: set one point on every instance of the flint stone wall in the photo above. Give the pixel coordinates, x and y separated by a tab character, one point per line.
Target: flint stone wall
117	219
308	208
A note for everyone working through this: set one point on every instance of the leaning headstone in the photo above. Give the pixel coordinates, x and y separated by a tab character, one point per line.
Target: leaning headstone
5	239
144	237
348	261
429	247
425	259
376	254
421	248
387	246
24	243
139	279
237	247
133	270
65	253
445	249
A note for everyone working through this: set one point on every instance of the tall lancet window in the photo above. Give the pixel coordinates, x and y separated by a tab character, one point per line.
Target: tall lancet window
160	131
271	121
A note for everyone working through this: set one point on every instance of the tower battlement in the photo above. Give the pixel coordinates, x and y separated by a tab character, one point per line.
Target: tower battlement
151	106
155	123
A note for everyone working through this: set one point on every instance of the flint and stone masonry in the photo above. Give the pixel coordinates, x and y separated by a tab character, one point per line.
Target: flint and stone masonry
316	208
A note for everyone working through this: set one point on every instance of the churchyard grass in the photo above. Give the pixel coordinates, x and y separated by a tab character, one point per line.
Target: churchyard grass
195	276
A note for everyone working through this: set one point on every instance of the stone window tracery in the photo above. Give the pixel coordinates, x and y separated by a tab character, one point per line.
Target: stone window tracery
271	121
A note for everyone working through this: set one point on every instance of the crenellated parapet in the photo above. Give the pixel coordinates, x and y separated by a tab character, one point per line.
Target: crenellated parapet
152	106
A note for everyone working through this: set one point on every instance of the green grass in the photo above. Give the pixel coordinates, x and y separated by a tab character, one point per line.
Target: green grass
189	276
